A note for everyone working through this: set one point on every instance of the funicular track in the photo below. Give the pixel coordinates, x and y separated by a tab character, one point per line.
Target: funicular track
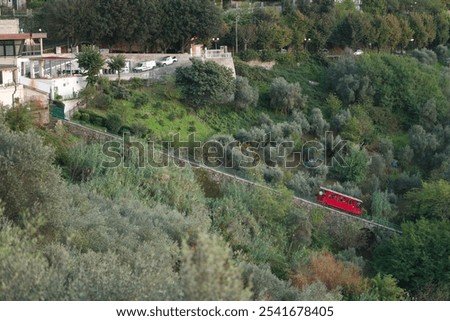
297	200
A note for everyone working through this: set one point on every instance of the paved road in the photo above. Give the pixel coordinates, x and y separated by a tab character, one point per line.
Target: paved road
156	73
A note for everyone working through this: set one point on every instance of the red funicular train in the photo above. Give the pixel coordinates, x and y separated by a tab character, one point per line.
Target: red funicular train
340	201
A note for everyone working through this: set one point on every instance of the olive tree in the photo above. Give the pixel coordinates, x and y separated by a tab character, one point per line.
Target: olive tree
286	97
244	95
205	83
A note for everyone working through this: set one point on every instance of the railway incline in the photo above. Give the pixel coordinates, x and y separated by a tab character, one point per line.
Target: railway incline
216	174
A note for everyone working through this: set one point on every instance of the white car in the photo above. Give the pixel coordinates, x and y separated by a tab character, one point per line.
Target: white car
358	52
144	66
167	61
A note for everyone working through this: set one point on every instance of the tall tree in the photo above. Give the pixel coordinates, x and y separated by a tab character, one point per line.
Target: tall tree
64	21
91	60
209	273
117	63
406	33
424	29
394	31
418	258
189	20
205	83
432	202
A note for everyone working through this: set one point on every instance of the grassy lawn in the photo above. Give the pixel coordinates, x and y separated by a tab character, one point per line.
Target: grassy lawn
164	113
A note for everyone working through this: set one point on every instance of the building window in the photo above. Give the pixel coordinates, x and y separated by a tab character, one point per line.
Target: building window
9	48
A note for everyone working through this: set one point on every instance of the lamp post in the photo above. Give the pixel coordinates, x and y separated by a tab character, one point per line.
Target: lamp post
306	40
215	41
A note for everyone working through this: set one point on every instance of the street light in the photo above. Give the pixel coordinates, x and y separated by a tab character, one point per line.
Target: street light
306	42
215	41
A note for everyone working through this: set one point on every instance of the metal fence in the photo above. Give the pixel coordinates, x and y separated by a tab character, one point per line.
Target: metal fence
219	53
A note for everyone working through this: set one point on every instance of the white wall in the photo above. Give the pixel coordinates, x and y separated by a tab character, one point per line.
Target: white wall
9	26
67	87
6	95
7	77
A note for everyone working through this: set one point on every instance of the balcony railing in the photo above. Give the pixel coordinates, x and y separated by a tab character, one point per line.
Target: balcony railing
219	53
31	50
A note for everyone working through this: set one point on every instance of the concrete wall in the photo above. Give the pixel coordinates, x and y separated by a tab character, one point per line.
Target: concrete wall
30	94
88	134
226	62
6	95
135	58
7	77
9	26
67	87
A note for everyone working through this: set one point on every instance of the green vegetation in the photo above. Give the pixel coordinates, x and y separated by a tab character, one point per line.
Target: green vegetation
91	60
73	229
205	83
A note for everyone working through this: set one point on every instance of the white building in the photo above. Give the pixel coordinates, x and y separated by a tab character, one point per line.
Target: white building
14	48
27	74
15	4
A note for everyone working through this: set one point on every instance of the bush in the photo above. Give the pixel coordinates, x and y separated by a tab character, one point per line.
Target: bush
113	123
272	175
19	118
286	97
140	101
285	58
205	83
84	117
91	117
248	55
354	166
102	101
302	184
442	54
120	92
425	56
318	125
244	95
267	55
136	83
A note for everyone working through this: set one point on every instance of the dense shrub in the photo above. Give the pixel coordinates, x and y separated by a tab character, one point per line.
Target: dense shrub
318	125
272	175
267	55
19	118
286	97
248	55
205	83
113	123
140	101
425	56
396	256
442	54
244	95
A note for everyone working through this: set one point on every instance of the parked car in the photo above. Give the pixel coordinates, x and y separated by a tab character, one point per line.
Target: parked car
358	52
144	66
167	61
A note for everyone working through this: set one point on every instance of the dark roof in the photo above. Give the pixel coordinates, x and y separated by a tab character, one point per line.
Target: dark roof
51	58
8	67
22	36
